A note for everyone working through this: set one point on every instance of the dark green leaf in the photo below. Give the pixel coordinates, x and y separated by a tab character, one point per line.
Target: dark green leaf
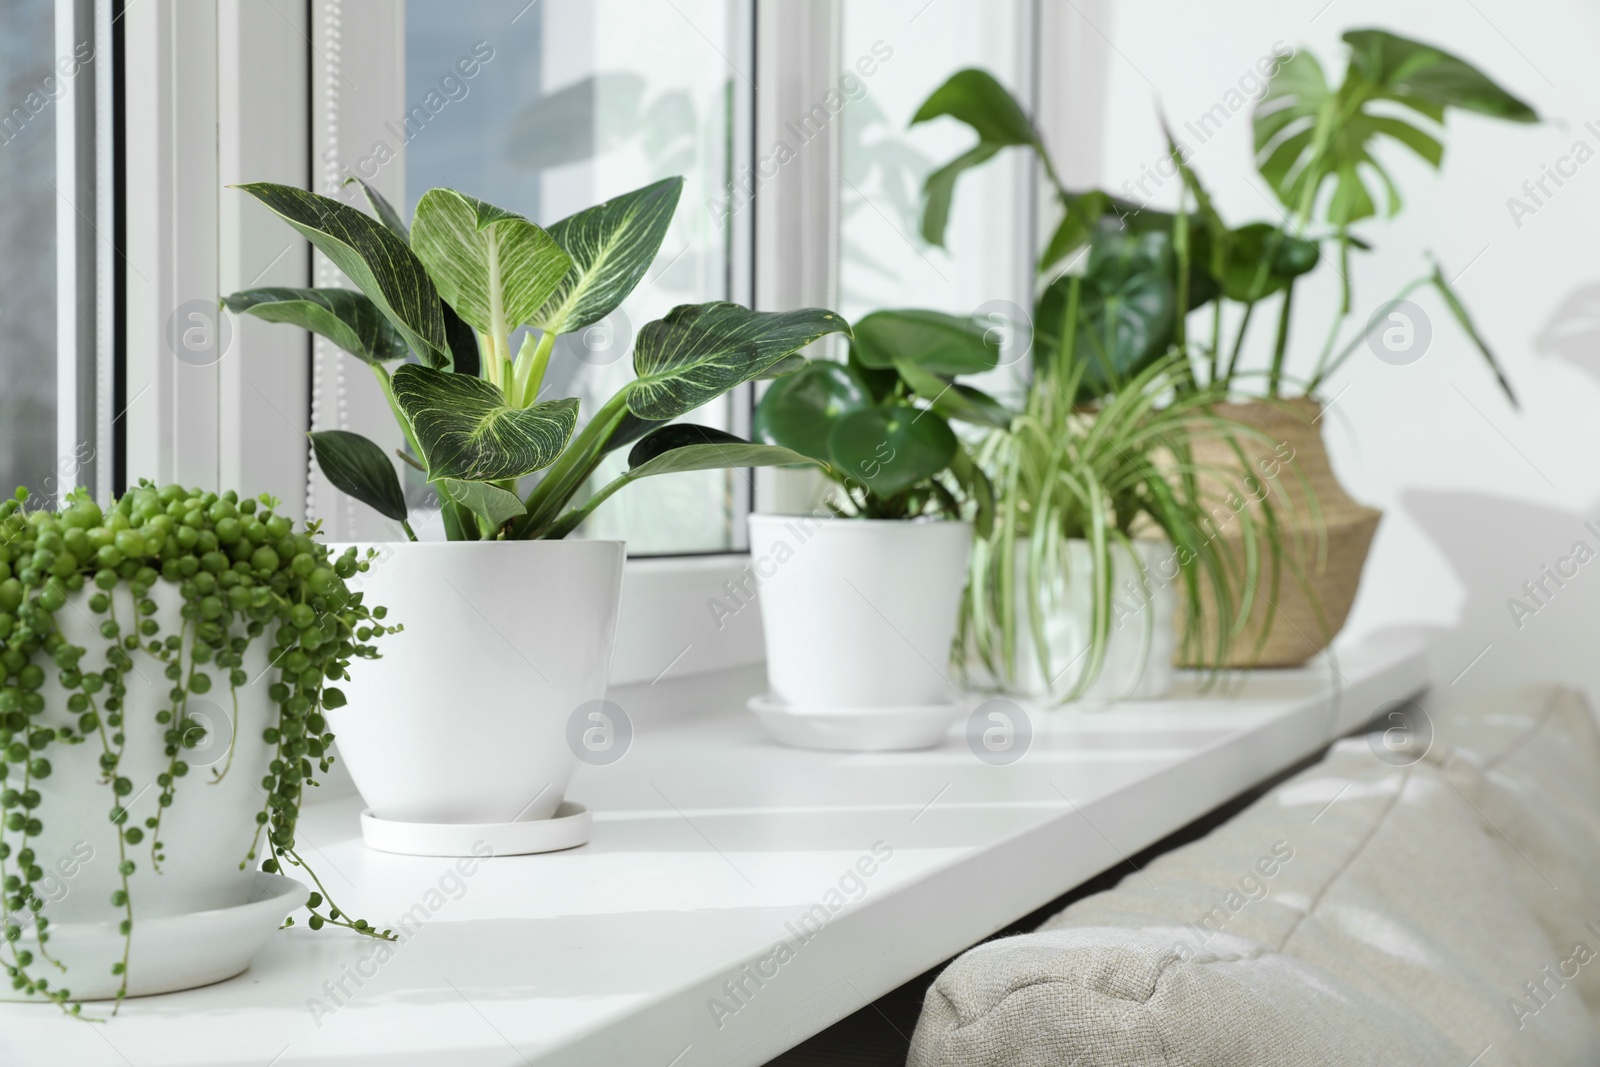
357	466
974	97
1079	216
977	99
375	259
1459	311
687	447
469	245
496	506
463	342
799	411
932	340
347	318
611	246
890	449
467	430
383	209
939	189
954	400
1410	70
700	351
1261	260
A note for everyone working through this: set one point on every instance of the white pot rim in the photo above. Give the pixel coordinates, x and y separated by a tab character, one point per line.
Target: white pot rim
846	522
457	546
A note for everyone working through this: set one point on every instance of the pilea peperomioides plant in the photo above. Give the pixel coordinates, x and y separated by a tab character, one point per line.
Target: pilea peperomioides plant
879	423
242	586
453	287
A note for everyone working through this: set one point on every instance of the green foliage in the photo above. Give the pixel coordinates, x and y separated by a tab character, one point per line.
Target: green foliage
878	424
453	286
246	578
1147	269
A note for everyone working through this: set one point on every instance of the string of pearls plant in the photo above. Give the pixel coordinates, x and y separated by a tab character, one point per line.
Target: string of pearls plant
244	575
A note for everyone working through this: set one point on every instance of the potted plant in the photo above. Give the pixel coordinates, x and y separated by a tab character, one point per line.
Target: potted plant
168	667
1103	532
859	600
524	618
1314	146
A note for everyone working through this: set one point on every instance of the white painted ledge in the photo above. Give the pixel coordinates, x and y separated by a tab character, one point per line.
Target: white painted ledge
711	846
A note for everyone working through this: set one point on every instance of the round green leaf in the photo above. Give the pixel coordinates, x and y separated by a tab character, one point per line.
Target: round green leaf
890	449
799	411
932	340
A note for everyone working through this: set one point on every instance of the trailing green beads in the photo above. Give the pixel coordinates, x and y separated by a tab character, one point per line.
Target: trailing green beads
244	575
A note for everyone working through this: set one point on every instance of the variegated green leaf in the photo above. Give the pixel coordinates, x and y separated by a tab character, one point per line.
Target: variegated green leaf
687	447
383	209
611	245
496	506
347	318
370	255
478	254
466	429
700	351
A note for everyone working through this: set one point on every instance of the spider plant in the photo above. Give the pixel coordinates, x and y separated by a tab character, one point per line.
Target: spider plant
1105	474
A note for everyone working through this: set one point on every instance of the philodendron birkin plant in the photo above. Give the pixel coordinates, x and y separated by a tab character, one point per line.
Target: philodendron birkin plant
862	613
453	287
529	616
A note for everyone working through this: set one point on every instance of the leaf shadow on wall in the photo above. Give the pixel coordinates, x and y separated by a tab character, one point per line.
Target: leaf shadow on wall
1530	577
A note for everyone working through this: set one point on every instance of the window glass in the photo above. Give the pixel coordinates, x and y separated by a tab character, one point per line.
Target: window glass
29	85
893	54
561	112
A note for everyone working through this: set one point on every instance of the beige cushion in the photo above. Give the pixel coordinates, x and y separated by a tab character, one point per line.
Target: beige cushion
1534	777
1360	913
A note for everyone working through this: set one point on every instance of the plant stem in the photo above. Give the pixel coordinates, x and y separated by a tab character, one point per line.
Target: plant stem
1275	376
409	533
575	464
529	376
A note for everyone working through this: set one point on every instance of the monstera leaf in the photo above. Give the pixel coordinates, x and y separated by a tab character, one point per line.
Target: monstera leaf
611	246
799	411
466	429
1307	133
700	351
357	466
977	99
370	255
347	318
494	267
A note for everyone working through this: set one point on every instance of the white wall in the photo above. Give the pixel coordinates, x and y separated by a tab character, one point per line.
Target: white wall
1477	495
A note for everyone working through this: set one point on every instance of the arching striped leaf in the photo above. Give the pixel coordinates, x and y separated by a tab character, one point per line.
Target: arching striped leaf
357	466
477	253
347	318
496	506
700	351
370	255
467	430
611	245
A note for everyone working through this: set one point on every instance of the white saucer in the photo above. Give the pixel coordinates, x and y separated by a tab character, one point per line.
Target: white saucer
167	954
568	828
858	729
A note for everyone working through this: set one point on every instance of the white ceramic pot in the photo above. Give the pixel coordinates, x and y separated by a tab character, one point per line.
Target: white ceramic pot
1139	651
464	718
859	613
208	829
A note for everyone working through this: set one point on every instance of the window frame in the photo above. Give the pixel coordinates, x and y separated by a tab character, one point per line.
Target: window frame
230	92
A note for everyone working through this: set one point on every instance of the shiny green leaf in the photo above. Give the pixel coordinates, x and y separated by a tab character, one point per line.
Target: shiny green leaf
372	257
478	254
890	449
467	430
611	246
799	411
357	466
347	318
932	340
700	351
493	504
